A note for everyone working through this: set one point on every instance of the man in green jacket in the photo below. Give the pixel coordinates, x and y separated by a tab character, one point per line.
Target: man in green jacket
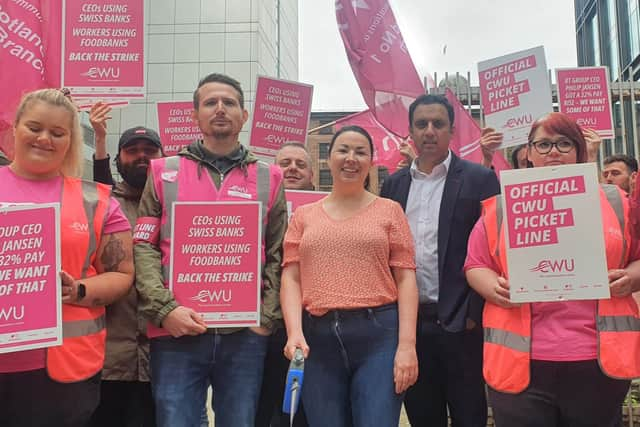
231	359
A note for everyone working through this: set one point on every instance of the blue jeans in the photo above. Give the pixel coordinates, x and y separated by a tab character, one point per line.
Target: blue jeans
182	368
349	373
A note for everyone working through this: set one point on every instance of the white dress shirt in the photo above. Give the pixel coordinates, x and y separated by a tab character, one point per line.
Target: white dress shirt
423	213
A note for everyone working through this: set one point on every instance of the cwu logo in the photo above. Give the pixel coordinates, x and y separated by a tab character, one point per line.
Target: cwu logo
102	73
518	122
206	296
554	266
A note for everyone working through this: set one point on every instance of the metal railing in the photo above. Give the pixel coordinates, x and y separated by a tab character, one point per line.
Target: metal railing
625	100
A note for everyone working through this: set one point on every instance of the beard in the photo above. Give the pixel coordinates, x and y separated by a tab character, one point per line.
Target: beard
133	174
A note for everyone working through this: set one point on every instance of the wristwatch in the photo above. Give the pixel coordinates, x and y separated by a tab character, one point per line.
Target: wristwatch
81	292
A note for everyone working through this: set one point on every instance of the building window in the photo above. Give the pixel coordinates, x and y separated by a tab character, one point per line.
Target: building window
328	130
323	150
326	180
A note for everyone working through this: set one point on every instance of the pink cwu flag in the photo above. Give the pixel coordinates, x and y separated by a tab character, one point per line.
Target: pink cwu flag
380	60
29	53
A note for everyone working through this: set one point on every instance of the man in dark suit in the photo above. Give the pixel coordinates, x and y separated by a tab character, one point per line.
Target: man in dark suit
441	196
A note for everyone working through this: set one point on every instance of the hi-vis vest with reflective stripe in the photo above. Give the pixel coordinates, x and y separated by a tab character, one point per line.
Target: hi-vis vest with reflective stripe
507	331
84	207
179	178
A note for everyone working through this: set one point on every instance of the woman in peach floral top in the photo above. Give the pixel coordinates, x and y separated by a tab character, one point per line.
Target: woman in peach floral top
349	295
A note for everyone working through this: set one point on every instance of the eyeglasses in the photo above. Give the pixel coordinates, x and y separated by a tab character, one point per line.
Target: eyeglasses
562	145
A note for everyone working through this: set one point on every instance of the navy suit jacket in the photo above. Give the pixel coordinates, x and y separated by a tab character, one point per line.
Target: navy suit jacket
466	185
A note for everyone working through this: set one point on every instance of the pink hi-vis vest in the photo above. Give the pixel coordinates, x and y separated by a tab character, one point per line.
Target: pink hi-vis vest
177	179
81	354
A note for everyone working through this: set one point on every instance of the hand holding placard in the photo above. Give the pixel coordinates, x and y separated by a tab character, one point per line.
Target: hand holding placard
183	321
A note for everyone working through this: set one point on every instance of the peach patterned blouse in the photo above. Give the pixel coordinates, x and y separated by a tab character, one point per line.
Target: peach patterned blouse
346	264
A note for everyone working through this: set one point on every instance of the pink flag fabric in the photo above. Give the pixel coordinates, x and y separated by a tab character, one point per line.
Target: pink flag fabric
386	144
30	33
380	60
465	141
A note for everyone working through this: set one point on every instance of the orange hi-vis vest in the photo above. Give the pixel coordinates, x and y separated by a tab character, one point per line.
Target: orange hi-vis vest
83	211
507	331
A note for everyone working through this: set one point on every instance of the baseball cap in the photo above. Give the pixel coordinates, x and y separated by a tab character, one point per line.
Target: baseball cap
129	136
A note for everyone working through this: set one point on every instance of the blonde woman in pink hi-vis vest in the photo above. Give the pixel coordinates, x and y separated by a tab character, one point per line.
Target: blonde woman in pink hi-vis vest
60	385
561	363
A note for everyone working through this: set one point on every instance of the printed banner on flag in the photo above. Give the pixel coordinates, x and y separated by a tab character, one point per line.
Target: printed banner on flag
30	290
515	92
380	61
280	114
104	48
215	261
583	94
176	126
552	252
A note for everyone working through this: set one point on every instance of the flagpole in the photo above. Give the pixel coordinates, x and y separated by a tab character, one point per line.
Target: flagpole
326	125
319	128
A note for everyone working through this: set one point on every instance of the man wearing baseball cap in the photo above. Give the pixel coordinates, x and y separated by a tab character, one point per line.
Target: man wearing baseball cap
126	398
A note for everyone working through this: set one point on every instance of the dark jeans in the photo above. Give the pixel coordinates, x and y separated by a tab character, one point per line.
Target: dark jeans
349	373
450	376
32	399
562	394
182	368
124	404
273	382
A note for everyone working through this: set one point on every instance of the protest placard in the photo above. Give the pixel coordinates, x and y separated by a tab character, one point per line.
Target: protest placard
515	92
554	242
176	126
583	94
215	261
30	291
296	198
103	48
280	114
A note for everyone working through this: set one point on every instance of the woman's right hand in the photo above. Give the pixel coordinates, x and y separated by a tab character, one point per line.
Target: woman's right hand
501	294
293	342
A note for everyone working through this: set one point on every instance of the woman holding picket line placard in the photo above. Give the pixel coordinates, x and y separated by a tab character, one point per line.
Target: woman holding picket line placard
349	295
59	386
565	363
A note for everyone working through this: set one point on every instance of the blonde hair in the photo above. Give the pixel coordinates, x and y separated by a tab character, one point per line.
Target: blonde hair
72	163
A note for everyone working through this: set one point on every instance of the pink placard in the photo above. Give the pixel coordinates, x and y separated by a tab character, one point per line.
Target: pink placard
280	114
532	218
30	292
215	261
104	48
583	94
176	126
296	198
